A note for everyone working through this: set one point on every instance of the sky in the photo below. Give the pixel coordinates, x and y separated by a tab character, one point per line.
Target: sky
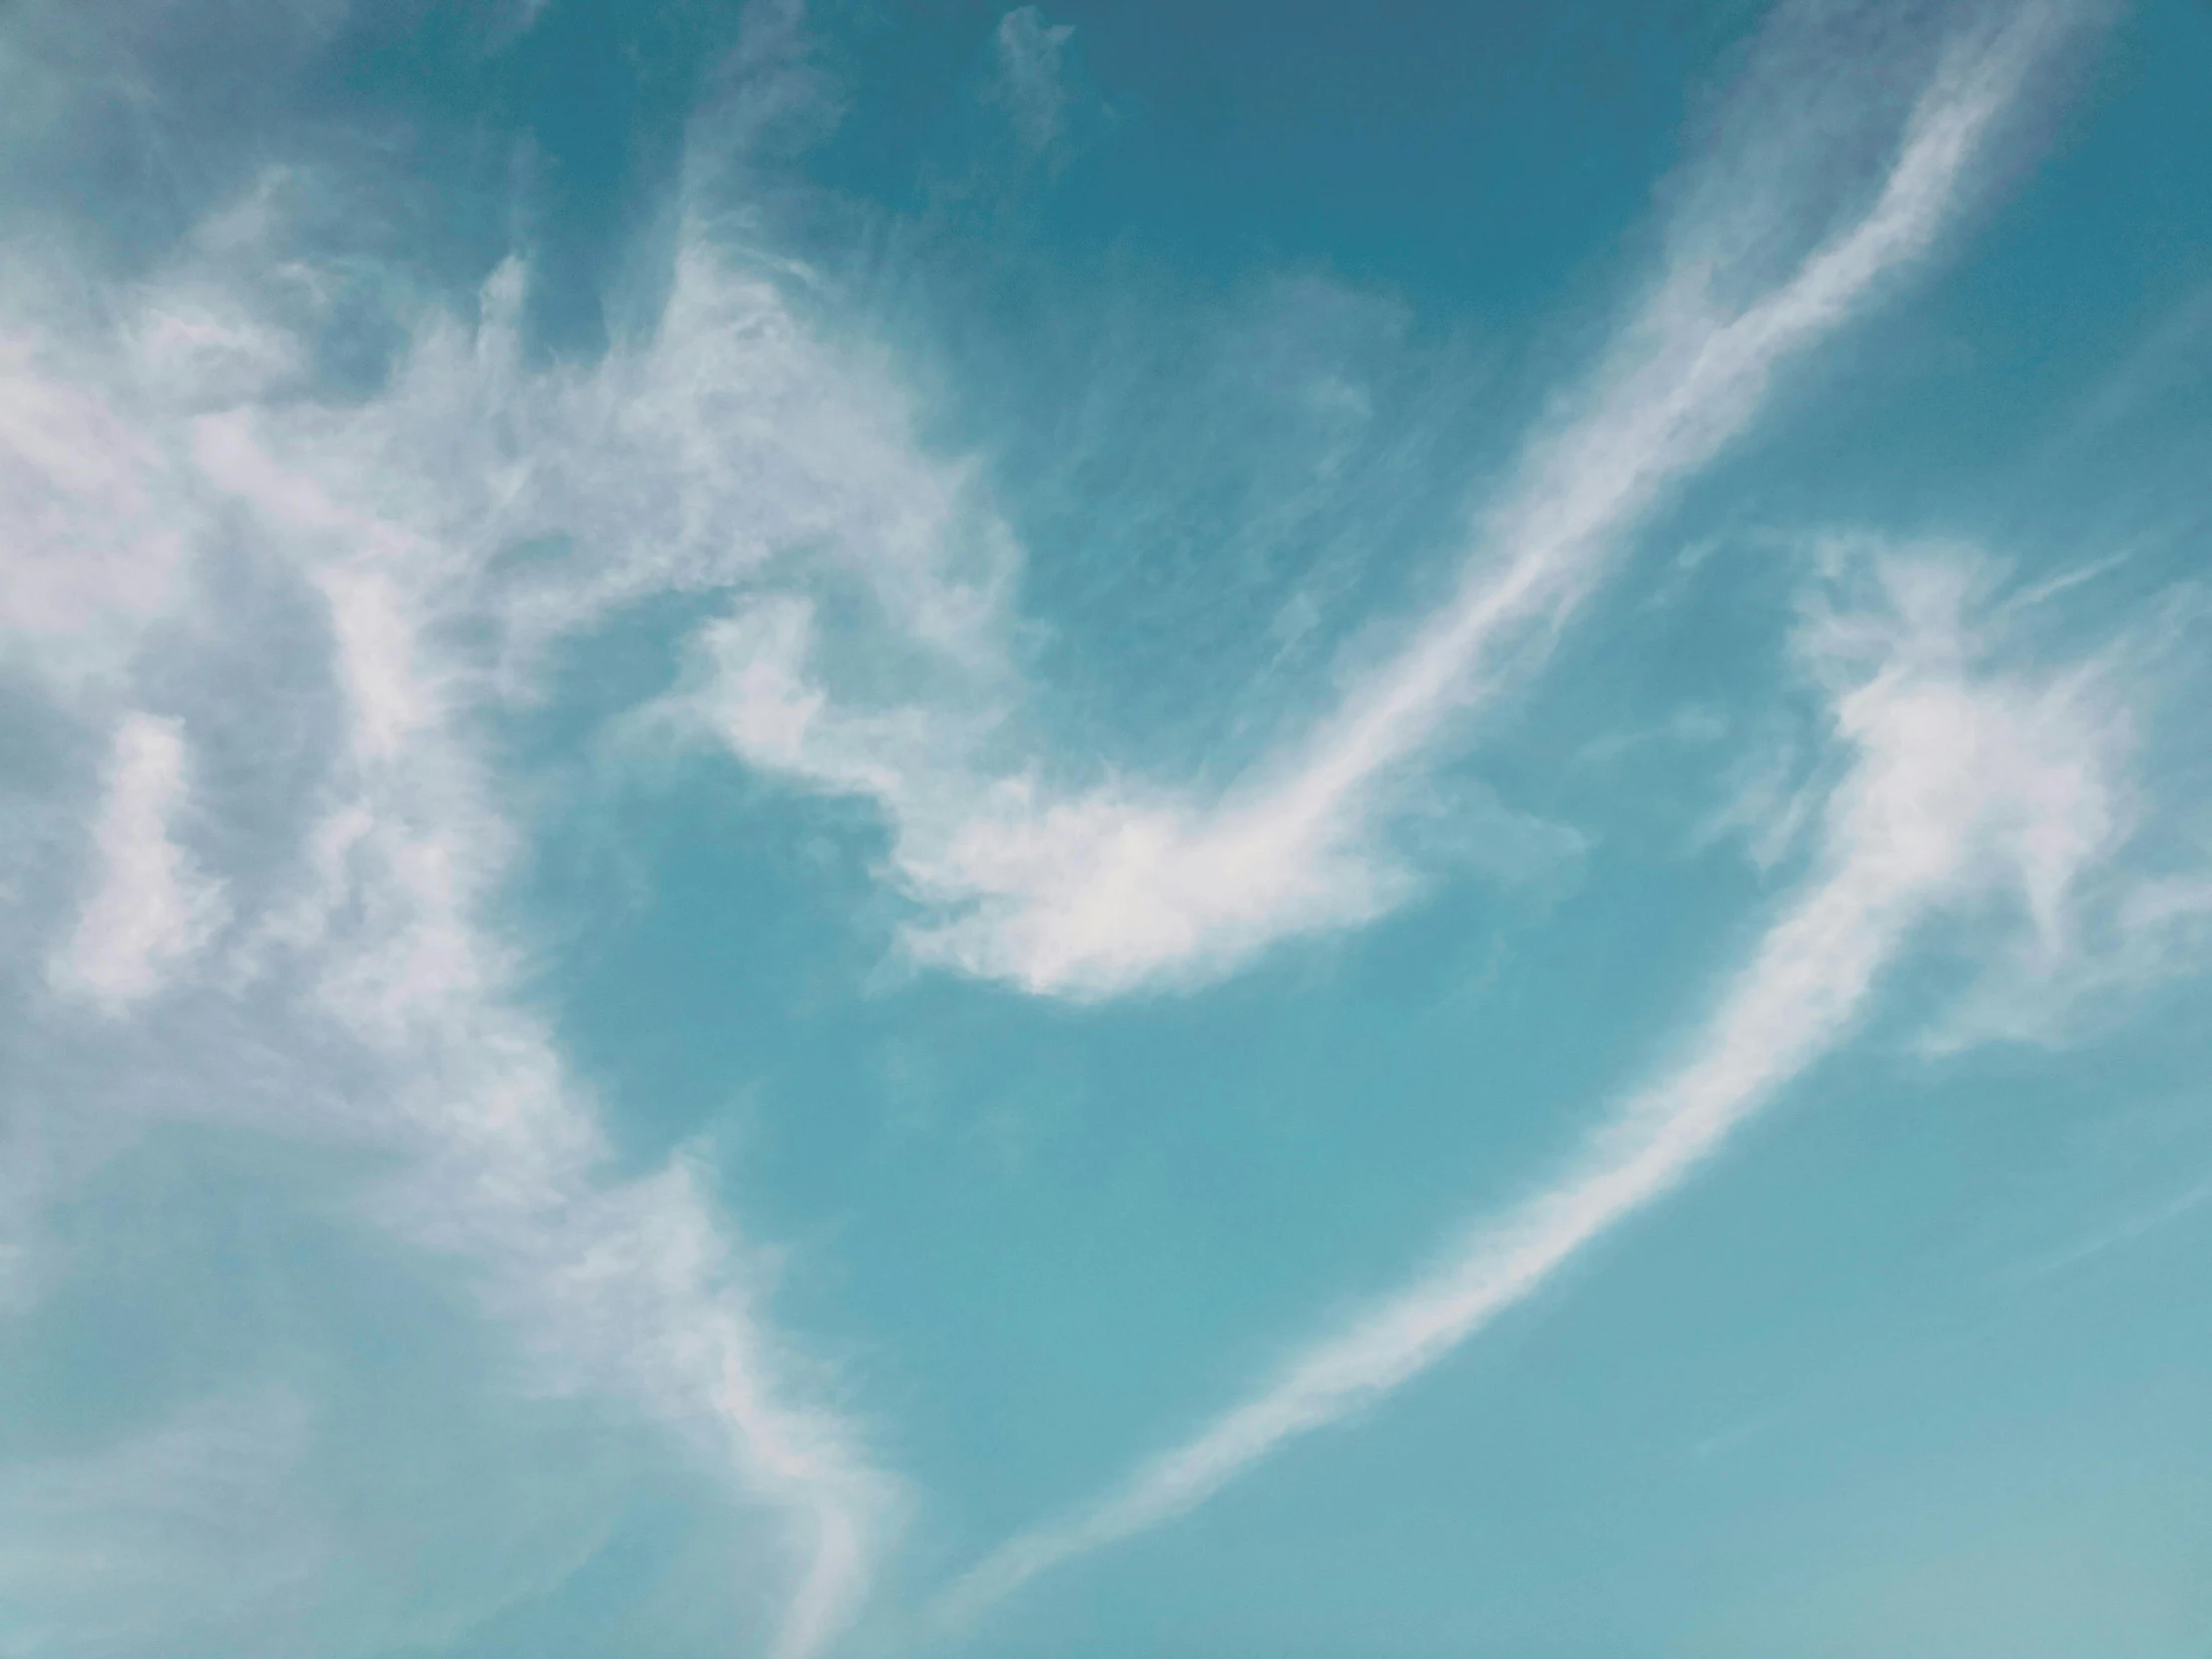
1225	830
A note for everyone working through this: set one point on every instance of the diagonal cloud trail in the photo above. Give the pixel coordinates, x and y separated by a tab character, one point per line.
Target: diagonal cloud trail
1091	894
1658	422
1962	781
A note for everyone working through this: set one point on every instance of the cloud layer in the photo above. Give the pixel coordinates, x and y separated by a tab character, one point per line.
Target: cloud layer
271	627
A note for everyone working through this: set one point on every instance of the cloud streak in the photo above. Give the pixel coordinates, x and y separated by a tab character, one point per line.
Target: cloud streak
152	907
368	968
1089	894
634	1286
1965	779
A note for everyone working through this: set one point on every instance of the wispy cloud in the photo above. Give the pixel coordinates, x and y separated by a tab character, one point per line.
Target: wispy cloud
439	538
368	969
151	908
1967	778
634	1284
1090	892
2076	964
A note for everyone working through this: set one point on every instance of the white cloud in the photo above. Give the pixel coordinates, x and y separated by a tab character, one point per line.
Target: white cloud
395	508
152	909
368	971
95	512
2087	953
1087	893
2086	959
1968	778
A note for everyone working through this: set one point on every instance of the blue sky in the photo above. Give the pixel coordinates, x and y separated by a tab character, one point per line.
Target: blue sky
1206	830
